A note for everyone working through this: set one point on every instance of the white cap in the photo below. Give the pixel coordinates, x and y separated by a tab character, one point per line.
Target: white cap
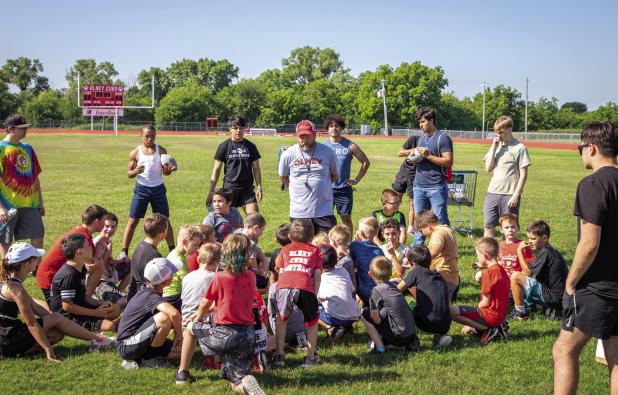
158	270
21	251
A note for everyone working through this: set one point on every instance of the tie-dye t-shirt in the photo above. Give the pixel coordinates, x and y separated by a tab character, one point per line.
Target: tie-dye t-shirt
19	169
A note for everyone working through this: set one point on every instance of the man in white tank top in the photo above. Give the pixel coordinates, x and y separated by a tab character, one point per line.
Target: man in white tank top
145	164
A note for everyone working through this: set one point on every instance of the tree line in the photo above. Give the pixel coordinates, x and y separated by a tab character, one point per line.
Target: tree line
311	83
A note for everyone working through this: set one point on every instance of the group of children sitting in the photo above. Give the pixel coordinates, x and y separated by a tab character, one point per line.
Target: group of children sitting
209	290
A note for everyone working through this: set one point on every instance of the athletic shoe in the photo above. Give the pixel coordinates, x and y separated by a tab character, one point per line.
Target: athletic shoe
551	313
251	387
335	332
106	344
489	335
156	363
375	351
210	362
503	330
415	345
311	362
279	360
518	315
301	342
129	365
260	362
183	377
122	256
442	340
348	330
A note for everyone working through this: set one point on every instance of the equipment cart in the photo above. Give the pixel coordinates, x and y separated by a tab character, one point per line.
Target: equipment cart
462	192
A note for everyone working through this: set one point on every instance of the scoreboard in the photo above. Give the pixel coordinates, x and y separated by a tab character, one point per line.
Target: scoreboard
102	95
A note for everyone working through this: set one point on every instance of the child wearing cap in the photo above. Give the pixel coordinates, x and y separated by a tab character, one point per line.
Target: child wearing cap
148	320
41	328
232	336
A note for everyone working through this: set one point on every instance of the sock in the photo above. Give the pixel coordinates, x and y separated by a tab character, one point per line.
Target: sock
520	309
126	251
380	349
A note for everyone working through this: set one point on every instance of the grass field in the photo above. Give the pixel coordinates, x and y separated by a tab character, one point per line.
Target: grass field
79	170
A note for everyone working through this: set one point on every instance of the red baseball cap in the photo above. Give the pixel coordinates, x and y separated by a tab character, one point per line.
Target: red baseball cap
304	127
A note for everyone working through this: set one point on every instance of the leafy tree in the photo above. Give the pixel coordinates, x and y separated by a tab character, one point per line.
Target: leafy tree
577	107
543	114
8	101
214	74
309	64
454	113
502	100
245	98
162	83
189	103
24	73
608	112
47	105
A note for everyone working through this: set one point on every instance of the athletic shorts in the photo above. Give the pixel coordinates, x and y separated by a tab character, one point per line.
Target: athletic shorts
109	292
495	205
386	333
93	324
404	184
15	338
26	224
533	293
174	300
434	327
592	314
473	313
243	197
343	200
143	195
306	302
235	343
321	224
333	321
139	346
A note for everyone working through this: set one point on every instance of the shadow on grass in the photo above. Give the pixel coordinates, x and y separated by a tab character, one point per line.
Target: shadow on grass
319	377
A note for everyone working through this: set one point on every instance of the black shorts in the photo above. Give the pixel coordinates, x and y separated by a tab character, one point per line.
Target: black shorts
321	224
15	338
306	302
343	199
404	184
139	347
175	300
592	314
243	197
434	327
386	333
93	324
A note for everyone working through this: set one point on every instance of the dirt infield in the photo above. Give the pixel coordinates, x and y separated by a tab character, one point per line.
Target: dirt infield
530	144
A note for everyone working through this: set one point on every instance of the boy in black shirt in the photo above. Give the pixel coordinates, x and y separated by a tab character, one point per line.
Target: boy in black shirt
240	159
404	180
432	310
548	268
68	292
148	320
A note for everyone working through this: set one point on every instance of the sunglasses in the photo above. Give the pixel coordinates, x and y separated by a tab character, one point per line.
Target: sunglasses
581	147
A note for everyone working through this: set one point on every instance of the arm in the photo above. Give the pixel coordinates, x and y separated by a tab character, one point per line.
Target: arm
522	259
402	287
214	178
100	312
523	176
585	253
176	318
358	153
262	261
37	185
403	235
491	155
24	303
205	306
257	174
285	180
134	169
166	169
446	160
375	316
485	299
317	277
404	152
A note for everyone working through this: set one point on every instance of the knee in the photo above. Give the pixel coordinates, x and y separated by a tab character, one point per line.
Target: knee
561	350
164	323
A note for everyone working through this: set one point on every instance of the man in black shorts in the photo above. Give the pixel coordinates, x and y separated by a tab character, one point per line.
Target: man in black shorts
404	180
590	299
240	159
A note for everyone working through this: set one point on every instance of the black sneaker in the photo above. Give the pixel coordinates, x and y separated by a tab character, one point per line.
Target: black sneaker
183	377
518	315
503	330
415	345
489	335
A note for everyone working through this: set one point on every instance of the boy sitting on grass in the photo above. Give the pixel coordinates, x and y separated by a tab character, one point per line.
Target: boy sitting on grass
362	252
390	210
148	320
339	237
189	240
195	284
393	249
254	227
488	317
114	271
223	218
549	270
208	236
432	310
388	320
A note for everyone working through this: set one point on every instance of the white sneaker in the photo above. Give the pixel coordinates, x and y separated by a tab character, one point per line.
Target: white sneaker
105	344
411	229
442	340
122	255
251	387
129	365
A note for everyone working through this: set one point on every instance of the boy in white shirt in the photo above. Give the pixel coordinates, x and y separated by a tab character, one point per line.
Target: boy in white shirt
195	284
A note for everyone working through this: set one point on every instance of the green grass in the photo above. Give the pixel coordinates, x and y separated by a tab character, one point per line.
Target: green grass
80	169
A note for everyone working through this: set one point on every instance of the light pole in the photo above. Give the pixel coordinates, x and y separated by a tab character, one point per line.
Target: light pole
382	94
526	113
484	85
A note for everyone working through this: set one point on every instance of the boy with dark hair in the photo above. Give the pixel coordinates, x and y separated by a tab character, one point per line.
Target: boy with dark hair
362	252
490	313
550	271
92	222
254	227
145	165
344	150
390	210
392	248
148	320
155	227
282	237
299	265
224	218
68	294
240	159
432	310
114	271
388	319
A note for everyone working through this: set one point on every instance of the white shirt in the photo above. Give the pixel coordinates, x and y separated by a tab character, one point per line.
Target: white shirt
335	293
153	170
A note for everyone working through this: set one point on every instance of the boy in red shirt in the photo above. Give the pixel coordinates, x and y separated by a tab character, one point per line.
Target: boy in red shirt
299	265
490	313
232	335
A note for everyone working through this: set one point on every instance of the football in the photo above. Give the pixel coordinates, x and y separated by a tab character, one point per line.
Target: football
168	160
414	157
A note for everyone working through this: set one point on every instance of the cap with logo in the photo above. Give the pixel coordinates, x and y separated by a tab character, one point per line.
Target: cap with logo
304	127
21	251
158	270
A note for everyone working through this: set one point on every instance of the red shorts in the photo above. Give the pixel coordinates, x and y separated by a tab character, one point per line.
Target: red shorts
472	313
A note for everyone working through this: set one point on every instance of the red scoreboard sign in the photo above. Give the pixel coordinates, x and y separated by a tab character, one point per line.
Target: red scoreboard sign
102	95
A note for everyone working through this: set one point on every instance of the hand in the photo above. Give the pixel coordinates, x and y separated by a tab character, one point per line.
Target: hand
358	236
259	194
177	343
390	248
51	356
476	265
350	182
423	151
569	288
496	142
523	245
209	199
140	169
513	201
167	170
4	216
103	311
193	317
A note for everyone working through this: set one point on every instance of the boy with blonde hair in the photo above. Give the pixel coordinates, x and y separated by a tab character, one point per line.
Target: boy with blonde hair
388	319
208	236
488	316
339	237
508	159
390	210
195	284
189	240
362	252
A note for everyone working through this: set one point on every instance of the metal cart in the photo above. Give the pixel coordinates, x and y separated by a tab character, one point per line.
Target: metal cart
462	192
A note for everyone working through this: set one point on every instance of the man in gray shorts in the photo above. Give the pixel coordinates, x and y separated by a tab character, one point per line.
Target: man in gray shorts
508	159
21	201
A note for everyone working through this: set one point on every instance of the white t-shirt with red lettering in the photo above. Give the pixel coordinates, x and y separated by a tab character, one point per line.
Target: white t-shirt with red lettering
296	266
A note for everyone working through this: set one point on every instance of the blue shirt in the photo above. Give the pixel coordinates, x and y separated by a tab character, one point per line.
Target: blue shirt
344	160
362	252
427	172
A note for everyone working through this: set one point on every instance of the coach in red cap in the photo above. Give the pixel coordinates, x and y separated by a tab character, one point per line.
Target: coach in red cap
309	168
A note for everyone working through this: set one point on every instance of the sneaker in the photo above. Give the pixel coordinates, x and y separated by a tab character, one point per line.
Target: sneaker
262	358
156	363
415	345
517	315
279	360
348	330
183	377
251	386
442	340
489	335
311	362
122	255
210	362
503	330
375	351
551	313
106	344
129	365
301	342
335	332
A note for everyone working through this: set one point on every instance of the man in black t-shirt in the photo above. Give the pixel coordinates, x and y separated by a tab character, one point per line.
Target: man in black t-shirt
591	293
240	159
404	180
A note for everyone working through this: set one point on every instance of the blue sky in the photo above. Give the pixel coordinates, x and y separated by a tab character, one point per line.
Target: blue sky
568	49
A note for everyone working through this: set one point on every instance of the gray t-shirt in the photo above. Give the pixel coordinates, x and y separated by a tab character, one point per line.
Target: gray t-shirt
311	193
508	160
386	298
348	264
194	286
224	224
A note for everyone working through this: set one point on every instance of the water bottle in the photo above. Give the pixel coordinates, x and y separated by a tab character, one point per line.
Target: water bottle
10	214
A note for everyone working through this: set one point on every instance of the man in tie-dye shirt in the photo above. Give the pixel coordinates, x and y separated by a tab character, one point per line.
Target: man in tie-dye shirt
19	188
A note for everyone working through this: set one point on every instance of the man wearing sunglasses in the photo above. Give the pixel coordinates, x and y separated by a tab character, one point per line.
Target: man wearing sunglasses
21	201
590	301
